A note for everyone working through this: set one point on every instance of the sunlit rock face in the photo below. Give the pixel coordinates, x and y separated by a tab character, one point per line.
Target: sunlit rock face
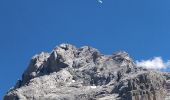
70	73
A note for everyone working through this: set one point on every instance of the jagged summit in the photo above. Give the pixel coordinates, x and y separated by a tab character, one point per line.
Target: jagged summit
70	73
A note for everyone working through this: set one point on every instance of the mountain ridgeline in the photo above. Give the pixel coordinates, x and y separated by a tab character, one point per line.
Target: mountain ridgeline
70	73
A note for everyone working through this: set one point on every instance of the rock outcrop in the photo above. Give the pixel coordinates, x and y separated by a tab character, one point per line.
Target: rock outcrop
70	73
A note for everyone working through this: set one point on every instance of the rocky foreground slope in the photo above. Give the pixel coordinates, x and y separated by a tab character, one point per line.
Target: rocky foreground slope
70	73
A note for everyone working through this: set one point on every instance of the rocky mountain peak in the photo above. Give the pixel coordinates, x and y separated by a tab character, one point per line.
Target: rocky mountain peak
70	73
121	55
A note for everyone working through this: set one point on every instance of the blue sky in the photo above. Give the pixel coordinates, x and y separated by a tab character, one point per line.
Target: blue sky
27	27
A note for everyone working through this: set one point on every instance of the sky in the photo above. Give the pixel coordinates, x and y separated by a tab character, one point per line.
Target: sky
28	27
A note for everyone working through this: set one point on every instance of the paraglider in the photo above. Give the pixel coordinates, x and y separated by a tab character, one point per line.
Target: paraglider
100	1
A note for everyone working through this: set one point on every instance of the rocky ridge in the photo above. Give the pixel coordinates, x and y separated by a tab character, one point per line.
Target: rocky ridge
70	73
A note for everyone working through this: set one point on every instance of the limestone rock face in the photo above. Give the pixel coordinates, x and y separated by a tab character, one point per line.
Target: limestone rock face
70	73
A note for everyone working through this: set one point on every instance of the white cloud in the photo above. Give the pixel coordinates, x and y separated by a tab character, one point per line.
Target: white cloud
155	63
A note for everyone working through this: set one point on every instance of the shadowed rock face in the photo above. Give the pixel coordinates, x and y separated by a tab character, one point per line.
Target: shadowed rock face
70	73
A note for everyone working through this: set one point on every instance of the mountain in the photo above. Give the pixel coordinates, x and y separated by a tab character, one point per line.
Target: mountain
70	73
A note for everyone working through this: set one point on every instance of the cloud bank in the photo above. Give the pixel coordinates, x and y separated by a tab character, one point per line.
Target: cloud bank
156	63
